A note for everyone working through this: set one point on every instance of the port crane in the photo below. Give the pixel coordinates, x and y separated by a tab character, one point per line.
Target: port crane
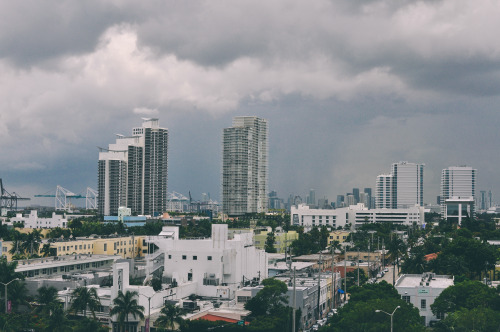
64	196
9	201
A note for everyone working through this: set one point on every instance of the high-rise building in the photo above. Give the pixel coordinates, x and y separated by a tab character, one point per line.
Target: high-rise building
383	189
368	192
355	193
340	201
244	166
132	172
311	199
403	188
458	183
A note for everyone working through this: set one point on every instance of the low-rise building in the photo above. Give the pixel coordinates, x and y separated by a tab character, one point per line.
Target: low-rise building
281	239
306	296
354	216
214	267
339	235
421	290
126	247
33	221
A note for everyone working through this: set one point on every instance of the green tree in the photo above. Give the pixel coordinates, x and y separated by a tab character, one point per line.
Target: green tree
269	246
156	284
87	325
169	315
18	294
477	319
381	290
466	295
55	319
48	251
465	256
269	300
83	298
46	298
31	242
125	305
352	278
361	316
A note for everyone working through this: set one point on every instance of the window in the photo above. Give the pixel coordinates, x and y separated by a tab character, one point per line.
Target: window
209	258
184	257
440	315
190	276
195	258
105	247
406	298
423	304
80	247
169	256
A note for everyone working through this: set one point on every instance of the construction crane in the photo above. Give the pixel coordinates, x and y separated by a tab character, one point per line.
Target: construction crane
63	198
8	201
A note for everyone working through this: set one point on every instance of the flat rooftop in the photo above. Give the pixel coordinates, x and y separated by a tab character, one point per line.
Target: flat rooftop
413	280
50	262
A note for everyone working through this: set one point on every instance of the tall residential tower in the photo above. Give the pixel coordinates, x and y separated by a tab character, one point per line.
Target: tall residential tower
403	188
458	192
133	171
244	166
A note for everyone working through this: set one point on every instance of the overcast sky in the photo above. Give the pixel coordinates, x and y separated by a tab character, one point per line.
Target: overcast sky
348	87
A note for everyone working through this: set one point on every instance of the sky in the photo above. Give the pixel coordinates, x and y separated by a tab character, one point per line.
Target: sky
348	87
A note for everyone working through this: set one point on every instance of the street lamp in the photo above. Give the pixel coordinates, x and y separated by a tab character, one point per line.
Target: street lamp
149	309
389	313
7	284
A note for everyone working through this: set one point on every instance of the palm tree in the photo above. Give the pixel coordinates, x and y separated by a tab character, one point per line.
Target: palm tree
56	319
18	293
84	298
125	305
46	250
46	297
168	315
17	241
32	242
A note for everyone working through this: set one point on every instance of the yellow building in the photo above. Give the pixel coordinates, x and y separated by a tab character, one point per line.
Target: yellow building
281	239
338	235
123	246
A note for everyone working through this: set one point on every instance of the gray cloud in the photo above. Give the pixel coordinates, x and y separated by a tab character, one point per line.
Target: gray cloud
348	87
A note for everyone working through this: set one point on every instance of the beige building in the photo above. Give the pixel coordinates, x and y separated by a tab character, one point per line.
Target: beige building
126	247
338	235
281	239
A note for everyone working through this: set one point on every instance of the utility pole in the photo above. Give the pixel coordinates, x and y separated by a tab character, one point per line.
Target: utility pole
319	285
345	274
294	301
383	253
358	267
333	278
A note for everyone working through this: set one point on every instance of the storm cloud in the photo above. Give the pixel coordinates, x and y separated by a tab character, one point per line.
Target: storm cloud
349	87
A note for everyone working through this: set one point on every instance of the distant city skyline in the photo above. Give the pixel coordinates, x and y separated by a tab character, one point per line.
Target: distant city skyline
416	81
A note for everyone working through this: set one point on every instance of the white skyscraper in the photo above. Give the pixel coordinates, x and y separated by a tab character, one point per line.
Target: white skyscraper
458	183
403	188
244	166
133	171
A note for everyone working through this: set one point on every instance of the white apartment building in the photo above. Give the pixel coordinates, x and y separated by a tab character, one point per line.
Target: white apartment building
245	166
458	192
403	188
133	171
213	267
421	290
33	221
355	215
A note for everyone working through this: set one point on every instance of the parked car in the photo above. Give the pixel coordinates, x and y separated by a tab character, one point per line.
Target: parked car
379	275
315	327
